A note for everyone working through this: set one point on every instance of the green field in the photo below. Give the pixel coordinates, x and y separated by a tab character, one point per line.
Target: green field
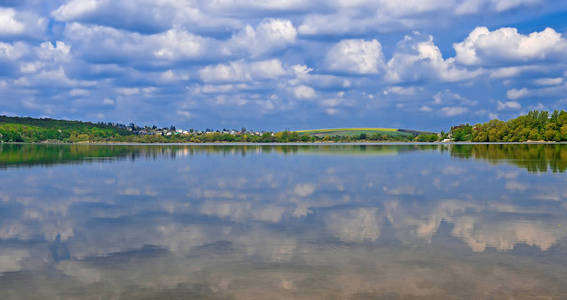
355	132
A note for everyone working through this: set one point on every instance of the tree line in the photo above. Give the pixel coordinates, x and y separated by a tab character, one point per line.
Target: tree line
535	126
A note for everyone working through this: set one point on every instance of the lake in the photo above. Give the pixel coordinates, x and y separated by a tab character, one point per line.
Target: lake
283	221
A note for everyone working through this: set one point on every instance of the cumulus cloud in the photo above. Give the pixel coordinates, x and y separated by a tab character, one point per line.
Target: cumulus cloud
451	111
108	45
550	92
356	56
17	23
8	23
242	71
9	51
140	15
383	16
304	190
417	58
270	35
304	92
400	90
517	93
52	78
508	46
508	105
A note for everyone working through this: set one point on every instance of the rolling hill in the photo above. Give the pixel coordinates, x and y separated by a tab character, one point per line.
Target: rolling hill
349	132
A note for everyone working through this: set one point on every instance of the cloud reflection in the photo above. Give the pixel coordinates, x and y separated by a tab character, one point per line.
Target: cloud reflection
284	228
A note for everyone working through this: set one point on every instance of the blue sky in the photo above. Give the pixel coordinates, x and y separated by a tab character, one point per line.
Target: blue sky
283	64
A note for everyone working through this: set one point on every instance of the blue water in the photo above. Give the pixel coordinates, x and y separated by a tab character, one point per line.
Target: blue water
283	222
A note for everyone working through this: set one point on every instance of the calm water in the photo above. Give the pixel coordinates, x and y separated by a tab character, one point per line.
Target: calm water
283	222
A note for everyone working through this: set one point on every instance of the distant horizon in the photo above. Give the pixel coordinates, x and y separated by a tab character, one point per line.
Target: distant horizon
204	128
251	128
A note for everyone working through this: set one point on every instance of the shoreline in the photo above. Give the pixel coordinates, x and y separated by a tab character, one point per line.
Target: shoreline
286	144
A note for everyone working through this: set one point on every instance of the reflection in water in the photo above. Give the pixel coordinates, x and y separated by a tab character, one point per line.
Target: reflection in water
253	222
533	157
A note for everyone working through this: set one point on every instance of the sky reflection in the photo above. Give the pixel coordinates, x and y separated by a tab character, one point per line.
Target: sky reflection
304	222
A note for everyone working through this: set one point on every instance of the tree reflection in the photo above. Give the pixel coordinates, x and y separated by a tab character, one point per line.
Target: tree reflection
532	157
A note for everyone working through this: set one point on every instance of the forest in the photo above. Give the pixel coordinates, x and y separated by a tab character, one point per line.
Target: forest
32	130
535	126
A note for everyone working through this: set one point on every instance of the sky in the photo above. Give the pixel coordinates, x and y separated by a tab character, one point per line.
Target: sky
283	64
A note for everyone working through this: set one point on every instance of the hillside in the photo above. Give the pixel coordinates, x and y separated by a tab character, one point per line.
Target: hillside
17	129
363	133
31	130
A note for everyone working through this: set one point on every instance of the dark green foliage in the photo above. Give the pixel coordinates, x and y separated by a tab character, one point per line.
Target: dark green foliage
427	138
462	133
535	126
15	129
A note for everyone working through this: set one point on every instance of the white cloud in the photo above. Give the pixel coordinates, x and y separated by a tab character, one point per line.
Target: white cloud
253	6
304	190
12	51
362	16
79	92
242	71
128	91
51	78
304	92
506	45
508	105
136	15
507	72
8	23
108	101
418	58
477	6
448	97
105	44
452	111
549	81
58	52
76	8
185	114
271	34
503	5
17	23
356	56
553	92
517	93
175	44
400	90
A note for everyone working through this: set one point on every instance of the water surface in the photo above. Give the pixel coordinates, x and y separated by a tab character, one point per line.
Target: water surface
282	222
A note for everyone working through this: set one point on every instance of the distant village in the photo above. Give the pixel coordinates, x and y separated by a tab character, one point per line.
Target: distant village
172	130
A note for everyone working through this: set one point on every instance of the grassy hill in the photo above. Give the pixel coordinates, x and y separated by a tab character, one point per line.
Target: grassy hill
353	132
